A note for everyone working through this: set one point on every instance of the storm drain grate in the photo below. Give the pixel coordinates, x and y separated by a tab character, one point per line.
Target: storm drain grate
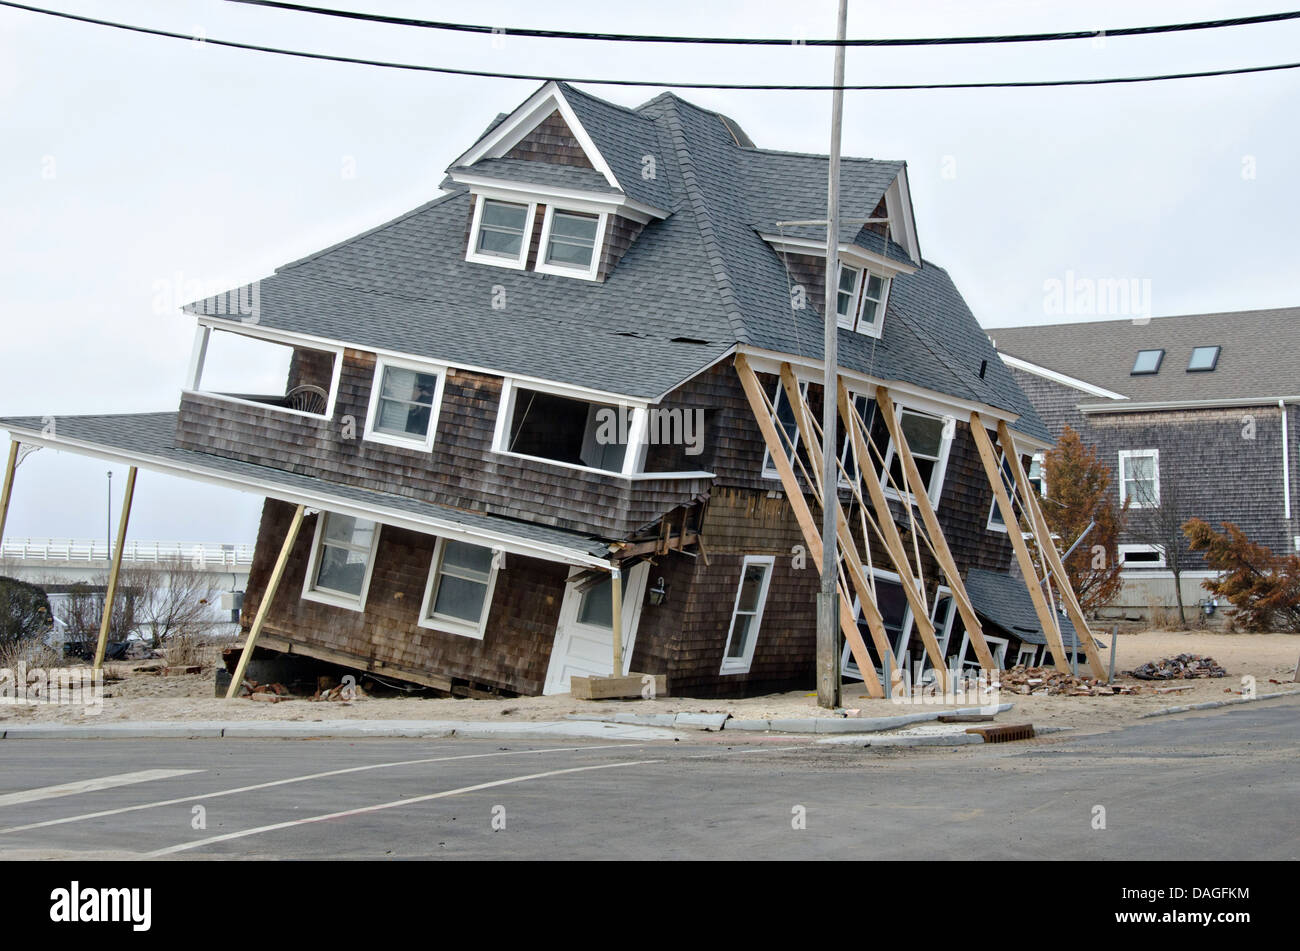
1004	734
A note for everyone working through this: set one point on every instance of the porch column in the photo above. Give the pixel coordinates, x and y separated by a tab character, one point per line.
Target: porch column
8	486
616	607
237	680
111	594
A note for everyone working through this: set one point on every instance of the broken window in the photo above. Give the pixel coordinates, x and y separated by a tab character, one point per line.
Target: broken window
341	560
459	593
747	614
563	429
248	368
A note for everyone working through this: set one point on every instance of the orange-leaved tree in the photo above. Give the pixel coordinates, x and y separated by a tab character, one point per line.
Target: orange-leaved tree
1263	587
1078	492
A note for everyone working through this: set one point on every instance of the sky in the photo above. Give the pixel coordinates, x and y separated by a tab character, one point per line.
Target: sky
134	167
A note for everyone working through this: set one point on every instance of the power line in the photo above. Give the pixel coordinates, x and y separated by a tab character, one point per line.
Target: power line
773	41
761	87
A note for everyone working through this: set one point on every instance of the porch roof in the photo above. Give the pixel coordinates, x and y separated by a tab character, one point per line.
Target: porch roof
145	440
1004	601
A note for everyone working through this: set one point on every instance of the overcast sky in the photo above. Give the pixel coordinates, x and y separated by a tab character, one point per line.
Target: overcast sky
129	164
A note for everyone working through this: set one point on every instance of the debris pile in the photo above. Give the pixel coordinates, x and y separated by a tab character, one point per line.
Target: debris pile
1182	667
1049	682
266	693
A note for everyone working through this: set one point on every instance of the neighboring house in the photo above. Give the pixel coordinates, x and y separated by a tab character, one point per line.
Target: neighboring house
560	383
1194	414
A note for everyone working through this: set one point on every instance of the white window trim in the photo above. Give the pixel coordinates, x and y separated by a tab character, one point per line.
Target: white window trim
371	434
741	665
590	272
849	321
472	252
904	637
997	647
1140	565
311	593
935	489
846	451
853	321
1031	650
451	625
769	470
993	526
199	356
1124	456
633	455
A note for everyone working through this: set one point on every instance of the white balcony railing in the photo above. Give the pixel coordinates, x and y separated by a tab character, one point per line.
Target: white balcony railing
201	555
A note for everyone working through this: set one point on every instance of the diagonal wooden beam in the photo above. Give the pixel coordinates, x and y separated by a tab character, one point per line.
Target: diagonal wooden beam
7	492
799	505
1082	633
1046	616
938	543
893	541
857	572
110	595
237	679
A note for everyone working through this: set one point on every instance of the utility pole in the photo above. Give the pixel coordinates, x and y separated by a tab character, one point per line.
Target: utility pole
108	533
828	668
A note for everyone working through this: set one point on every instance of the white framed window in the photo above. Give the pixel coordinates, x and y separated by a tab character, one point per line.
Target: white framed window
342	559
247	364
405	397
1141	556
785	421
1027	655
569	430
1038	473
930	439
1139	478
860	301
458	594
747	614
571	242
996	522
500	232
895	612
876	432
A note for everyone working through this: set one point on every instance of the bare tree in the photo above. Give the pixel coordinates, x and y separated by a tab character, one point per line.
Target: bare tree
1160	509
175	600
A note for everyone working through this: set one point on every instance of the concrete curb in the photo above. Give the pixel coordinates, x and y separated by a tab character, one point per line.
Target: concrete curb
953	739
334	729
710	722
851	724
1214	704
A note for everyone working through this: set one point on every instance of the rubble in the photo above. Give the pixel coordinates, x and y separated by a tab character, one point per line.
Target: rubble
1048	682
1182	667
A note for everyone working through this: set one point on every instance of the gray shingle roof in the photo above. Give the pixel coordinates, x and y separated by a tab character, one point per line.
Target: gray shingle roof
702	273
1260	355
539	173
150	435
1005	602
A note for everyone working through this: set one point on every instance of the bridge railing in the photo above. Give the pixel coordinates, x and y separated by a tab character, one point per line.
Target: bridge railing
200	555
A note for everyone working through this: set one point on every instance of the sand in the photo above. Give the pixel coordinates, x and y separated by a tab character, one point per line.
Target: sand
1269	658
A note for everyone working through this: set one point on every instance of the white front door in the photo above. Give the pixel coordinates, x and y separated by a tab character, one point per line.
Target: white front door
584	636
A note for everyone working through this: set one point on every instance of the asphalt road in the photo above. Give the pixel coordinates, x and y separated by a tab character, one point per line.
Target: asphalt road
1218	785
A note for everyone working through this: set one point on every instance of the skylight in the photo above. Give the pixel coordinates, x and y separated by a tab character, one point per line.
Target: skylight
1148	361
1203	359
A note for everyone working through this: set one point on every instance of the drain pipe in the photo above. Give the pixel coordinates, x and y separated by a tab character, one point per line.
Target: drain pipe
1286	468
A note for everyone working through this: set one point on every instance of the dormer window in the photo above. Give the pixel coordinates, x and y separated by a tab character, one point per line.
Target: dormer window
571	242
499	233
860	302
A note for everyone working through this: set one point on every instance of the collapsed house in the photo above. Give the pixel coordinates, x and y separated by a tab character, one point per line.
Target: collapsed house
563	421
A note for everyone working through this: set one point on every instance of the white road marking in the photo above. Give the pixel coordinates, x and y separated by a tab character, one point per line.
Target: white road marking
90	785
199	843
301	779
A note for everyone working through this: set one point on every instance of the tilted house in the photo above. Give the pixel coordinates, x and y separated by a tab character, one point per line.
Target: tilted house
589	374
1195	416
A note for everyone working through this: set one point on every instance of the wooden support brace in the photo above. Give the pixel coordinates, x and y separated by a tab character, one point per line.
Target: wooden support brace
1046	616
7	492
1082	633
110	595
281	561
942	553
799	505
616	618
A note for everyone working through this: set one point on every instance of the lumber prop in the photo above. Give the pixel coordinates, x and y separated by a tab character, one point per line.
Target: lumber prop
1082	633
616	618
281	561
938	542
7	492
110	595
993	469
763	414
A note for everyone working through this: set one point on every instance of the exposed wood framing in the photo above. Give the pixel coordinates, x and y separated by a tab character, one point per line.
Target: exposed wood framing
237	679
7	492
763	417
848	546
1033	581
1082	633
616	618
110	595
938	543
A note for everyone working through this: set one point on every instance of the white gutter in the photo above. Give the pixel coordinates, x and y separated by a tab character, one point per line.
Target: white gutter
1090	409
1286	465
444	528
